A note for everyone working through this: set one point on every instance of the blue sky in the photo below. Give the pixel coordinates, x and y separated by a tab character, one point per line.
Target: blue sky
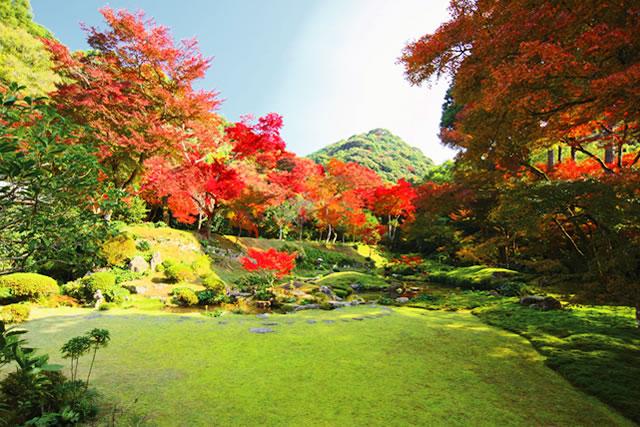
328	66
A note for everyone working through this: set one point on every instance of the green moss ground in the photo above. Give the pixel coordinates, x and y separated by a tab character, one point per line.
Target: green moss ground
412	367
596	348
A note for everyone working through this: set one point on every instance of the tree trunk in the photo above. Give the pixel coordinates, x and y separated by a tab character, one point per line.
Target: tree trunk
280	234
620	152
573	154
560	154
550	159
608	154
638	314
328	235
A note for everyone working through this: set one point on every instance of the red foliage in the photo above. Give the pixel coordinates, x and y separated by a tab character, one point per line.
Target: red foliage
271	260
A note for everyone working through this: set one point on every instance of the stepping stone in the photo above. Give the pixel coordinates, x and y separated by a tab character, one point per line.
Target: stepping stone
289	321
329	321
270	323
261	330
357	318
262	316
311	321
222	322
345	320
94	316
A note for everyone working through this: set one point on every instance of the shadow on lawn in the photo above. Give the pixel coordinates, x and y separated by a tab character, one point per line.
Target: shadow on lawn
595	348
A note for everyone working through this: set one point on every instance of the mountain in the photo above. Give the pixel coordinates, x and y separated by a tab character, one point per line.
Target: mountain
382	151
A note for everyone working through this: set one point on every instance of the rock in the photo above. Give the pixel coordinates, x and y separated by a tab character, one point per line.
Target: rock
357	318
261	330
156	260
297	284
307	307
270	323
541	303
262	315
287	287
138	264
337	304
402	300
311	321
356	286
531	299
326	290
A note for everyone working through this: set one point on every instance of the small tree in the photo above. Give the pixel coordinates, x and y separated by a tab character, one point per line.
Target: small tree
271	263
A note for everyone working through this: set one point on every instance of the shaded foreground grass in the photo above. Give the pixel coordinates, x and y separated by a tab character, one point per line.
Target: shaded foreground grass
595	348
323	368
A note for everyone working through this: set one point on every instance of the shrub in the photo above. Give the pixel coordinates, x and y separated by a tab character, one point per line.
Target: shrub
513	289
102	280
210	297
184	297
28	286
143	246
107	306
14	313
83	289
125	275
213	281
342	293
179	273
119	249
202	265
251	282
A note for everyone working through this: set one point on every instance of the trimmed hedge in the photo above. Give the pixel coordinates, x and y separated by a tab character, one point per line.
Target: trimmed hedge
179	273
28	286
84	288
184	297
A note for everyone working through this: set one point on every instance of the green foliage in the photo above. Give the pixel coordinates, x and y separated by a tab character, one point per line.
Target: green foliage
212	281
211	297
465	300
476	277
440	173
119	249
596	348
24	58
310	258
125	275
184	297
133	210
202	265
380	151
252	281
344	280
84	288
179	272
37	393
47	220
28	286
14	313
143	245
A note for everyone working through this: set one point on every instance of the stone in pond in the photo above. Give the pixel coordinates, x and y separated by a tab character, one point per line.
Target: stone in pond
311	321
261	330
328	321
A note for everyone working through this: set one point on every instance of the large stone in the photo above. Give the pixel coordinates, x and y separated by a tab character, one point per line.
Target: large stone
326	290
307	307
138	265
541	302
402	300
156	260
261	330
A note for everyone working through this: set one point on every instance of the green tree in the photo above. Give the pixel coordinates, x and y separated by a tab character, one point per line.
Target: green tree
49	188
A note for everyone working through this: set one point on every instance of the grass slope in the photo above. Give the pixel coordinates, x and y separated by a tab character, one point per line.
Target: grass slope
412	367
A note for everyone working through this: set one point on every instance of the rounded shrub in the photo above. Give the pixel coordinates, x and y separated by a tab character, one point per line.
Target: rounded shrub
14	313
179	273
102	280
119	249
202	265
184	297
214	282
28	286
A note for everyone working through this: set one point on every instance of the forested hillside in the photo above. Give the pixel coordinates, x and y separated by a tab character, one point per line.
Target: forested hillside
24	59
381	151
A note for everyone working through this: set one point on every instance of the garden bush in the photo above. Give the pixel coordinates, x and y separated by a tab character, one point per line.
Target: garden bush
211	297
213	281
252	281
184	297
28	286
179	273
84	288
14	313
119	249
202	265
